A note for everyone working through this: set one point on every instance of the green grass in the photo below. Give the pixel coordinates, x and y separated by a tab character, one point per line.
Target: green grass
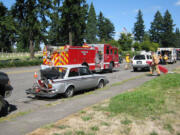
94	128
86	118
126	121
148	99
153	133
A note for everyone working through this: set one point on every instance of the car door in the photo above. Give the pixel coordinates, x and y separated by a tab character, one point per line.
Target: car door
88	79
74	78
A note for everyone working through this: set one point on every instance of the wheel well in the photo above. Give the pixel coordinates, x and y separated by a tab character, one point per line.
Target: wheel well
70	86
101	80
112	63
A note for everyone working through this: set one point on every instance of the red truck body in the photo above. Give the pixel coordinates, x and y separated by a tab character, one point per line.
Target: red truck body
96	56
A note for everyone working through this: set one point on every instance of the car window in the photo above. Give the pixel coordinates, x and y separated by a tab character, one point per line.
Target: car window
84	71
148	57
73	72
139	57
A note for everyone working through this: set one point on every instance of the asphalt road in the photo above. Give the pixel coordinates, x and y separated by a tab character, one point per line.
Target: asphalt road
22	79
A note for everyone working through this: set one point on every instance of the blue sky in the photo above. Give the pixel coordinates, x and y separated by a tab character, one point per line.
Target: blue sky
122	13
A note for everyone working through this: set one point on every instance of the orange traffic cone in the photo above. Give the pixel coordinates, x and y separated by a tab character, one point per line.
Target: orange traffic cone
35	75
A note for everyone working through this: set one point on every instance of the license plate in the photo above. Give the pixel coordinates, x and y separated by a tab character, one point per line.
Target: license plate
139	62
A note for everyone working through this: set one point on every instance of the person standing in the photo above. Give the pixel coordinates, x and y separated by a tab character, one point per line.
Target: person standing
127	58
154	64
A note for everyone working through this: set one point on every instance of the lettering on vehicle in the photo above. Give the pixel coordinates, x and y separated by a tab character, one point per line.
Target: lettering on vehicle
84	52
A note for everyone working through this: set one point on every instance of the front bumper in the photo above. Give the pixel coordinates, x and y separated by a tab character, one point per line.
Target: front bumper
41	93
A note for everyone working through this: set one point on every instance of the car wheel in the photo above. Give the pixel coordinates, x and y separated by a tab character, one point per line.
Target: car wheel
111	67
69	92
4	107
134	69
101	84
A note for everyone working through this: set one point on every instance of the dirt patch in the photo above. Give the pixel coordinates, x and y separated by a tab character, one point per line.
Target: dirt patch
92	121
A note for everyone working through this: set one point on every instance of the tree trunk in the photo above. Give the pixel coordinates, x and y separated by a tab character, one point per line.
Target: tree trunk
70	38
70	35
31	49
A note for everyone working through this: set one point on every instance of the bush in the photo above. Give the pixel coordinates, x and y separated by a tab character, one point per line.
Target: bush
19	63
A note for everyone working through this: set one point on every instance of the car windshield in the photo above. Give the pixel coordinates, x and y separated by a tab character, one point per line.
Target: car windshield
53	73
139	57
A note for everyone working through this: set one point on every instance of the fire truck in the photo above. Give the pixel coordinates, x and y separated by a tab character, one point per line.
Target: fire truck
178	53
97	57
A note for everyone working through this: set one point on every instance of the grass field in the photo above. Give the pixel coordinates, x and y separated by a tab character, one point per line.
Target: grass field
151	109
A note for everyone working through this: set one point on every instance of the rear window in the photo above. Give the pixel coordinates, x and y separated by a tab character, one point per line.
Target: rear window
53	73
139	57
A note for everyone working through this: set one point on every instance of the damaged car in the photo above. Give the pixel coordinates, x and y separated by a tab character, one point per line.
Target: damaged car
66	80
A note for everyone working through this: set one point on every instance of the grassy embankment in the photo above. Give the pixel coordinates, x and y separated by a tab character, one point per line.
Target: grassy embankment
151	109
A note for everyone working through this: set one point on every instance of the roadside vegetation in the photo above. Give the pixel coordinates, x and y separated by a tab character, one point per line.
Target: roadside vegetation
18	62
151	109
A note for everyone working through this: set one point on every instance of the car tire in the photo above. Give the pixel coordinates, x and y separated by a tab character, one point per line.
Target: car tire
111	67
100	84
4	107
134	69
69	92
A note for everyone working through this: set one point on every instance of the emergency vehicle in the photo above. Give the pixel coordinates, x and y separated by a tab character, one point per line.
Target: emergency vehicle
97	57
178	53
170	52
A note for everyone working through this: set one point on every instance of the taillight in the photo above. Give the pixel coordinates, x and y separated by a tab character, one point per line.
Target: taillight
49	86
40	83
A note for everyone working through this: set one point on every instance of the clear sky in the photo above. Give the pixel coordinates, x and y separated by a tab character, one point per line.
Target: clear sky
122	13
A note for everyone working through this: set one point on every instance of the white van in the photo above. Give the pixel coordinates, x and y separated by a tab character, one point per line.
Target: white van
171	53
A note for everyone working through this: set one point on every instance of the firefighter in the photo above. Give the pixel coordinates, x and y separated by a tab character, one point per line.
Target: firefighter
127	58
154	64
165	58
160	59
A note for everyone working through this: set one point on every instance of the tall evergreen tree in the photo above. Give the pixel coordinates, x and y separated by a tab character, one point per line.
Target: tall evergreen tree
31	17
177	38
7	29
139	27
105	28
167	34
54	36
100	26
74	13
156	28
91	28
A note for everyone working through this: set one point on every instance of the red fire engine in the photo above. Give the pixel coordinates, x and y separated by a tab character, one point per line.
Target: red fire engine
96	56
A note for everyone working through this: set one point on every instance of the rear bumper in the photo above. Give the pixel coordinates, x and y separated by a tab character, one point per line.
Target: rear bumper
141	66
41	93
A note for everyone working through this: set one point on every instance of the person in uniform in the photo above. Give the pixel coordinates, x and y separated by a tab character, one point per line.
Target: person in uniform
154	64
165	58
127	58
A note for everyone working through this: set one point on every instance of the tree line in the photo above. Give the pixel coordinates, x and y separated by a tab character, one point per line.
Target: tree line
28	23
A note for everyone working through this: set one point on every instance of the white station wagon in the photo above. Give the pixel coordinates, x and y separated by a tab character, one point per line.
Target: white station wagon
66	80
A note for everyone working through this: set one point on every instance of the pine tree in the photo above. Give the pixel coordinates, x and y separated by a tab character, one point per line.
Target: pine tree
73	19
31	17
54	37
156	28
177	38
100	25
139	27
7	29
105	28
91	28
167	34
